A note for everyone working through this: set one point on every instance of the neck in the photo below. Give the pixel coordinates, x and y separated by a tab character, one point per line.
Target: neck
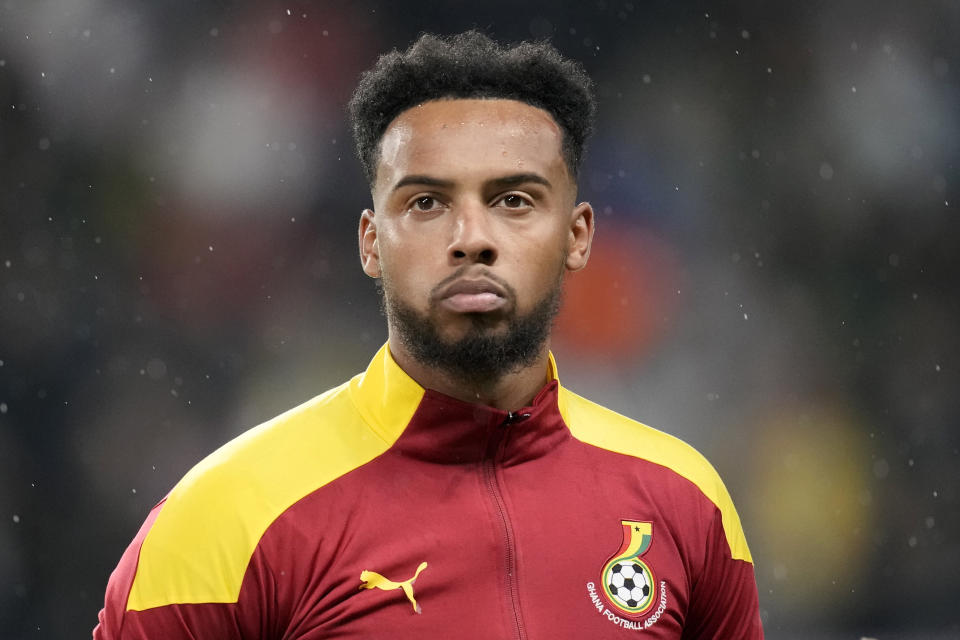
509	392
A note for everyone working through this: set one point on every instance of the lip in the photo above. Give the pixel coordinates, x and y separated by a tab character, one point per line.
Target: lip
473	296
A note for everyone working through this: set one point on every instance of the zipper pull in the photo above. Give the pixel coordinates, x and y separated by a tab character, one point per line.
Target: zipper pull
514	418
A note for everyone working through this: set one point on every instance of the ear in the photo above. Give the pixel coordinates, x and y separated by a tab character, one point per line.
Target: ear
580	238
369	251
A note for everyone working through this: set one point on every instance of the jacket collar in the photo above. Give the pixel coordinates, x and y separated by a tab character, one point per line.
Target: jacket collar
427	424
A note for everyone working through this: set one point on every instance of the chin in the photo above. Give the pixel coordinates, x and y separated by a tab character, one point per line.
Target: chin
474	326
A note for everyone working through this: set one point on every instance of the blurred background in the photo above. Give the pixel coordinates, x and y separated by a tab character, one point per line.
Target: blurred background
775	276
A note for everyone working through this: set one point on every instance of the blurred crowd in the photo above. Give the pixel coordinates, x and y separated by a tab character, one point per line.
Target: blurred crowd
774	277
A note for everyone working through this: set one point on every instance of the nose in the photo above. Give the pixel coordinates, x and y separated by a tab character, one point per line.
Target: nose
473	238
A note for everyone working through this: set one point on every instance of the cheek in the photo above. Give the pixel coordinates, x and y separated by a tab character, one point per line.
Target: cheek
405	276
538	268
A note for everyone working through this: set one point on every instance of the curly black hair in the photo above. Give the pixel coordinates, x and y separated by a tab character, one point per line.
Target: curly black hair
471	65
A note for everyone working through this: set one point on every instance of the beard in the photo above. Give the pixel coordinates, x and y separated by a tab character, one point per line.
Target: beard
484	354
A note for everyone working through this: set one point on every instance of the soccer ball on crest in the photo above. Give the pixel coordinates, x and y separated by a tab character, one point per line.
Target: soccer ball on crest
630	584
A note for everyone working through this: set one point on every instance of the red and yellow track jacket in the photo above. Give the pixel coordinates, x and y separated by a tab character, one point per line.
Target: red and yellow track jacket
380	509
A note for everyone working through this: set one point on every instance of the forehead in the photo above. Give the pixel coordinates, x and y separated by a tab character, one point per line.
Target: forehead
470	135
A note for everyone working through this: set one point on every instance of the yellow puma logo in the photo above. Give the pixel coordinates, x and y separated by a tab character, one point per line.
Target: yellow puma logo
373	580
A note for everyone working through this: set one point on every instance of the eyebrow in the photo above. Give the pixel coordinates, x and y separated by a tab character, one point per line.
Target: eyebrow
506	181
520	178
425	181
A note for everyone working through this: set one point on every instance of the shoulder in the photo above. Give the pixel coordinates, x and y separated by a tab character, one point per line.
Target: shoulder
208	527
601	427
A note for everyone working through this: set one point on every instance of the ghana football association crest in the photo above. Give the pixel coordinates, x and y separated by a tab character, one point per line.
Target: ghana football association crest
628	583
626	580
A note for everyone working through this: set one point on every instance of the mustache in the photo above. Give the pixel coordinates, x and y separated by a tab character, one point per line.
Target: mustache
437	290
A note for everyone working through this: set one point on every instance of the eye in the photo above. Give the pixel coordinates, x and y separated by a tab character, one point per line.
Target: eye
514	201
425	204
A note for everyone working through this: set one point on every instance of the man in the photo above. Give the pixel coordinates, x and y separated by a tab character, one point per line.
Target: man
454	489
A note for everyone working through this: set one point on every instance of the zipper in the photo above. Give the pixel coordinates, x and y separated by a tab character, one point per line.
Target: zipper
494	448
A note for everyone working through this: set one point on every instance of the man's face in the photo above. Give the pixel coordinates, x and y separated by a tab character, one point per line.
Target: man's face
474	223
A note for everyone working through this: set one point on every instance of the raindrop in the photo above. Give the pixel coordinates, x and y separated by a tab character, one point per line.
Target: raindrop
826	171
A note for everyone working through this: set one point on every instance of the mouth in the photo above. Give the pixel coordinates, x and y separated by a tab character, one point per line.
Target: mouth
473	296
